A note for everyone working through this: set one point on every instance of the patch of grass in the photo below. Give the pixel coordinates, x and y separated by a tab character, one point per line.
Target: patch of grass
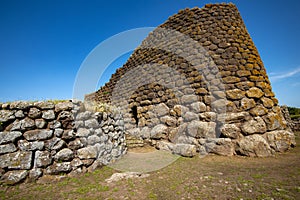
258	176
151	195
295	116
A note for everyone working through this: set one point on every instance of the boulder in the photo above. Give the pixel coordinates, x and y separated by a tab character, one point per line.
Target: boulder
220	146
280	140
230	131
186	150
253	146
199	129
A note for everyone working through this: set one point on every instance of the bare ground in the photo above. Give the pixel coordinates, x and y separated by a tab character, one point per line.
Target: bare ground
211	177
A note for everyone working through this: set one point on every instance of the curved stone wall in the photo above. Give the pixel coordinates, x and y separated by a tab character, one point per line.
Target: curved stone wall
44	138
197	84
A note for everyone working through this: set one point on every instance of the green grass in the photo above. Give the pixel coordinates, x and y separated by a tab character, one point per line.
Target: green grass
295	116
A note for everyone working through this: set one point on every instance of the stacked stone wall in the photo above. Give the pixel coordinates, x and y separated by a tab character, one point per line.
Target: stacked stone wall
43	138
197	84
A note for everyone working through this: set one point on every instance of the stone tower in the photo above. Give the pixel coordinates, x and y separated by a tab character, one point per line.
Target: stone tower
197	84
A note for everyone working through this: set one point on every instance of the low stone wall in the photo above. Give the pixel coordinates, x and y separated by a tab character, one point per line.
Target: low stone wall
43	138
296	125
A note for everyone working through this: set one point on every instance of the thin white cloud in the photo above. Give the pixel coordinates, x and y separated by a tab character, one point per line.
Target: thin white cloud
285	75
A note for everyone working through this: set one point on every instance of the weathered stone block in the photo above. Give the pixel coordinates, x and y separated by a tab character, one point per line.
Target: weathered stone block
14	177
6	137
42	159
16	160
37	134
256	125
254	146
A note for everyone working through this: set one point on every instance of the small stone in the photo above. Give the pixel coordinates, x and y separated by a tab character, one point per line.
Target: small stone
87	152
258	111
83	132
93	139
159	131
26	124
169	121
24	145
256	125
274	121
39	134
230	131
57	168
19	114
42	159
44	105
35	173
161	109
68	135
54	124
7	148
188	99
63	106
55	144
254	92
91	123
40	123
58	132
48	114
84	115
64	155
190	116
268	103
235	94
198	107
34	113
186	150
76	162
6	137
280	140
246	103
76	144
20	105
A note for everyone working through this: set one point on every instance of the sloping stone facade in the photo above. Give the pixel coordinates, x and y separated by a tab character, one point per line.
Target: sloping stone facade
197	84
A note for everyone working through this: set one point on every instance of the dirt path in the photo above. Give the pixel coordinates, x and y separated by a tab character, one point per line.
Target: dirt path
211	177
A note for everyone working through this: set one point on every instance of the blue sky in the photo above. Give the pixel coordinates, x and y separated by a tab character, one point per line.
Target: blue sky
43	43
